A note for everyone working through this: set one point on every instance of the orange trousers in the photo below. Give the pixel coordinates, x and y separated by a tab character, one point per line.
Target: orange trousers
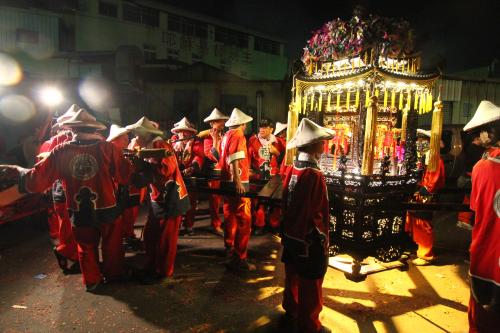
466	217
113	256
238	224
160	240
303	299
53	223
67	246
421	231
214	204
260	215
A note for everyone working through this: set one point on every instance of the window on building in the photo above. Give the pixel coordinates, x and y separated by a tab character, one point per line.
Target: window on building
231	38
26	36
149	53
267	46
140	14
150	16
108	9
187	26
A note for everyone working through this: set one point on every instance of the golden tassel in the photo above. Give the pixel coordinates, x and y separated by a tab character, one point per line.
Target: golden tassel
401	100
429	102
404	124
348	100
310	69
367	99
408	100
415	106
370	137
356	103
422	103
293	120
338	101
328	101
305	104
393	98
311	105
436	129
385	98
320	102
376	92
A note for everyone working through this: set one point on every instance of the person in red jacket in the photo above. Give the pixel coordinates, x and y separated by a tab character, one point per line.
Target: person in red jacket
419	224
136	197
264	153
484	302
235	169
127	195
190	156
306	217
212	150
57	213
66	250
168	202
89	168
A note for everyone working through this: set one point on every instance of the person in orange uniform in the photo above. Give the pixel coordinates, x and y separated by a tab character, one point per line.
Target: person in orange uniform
419	224
264	152
235	168
484	302
169	201
119	136
306	216
66	250
212	151
136	197
88	167
190	156
473	152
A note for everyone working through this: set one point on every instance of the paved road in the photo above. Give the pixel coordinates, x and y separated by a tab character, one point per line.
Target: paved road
204	297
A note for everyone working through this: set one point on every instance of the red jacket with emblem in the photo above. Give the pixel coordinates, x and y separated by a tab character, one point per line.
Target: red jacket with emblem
89	170
263	163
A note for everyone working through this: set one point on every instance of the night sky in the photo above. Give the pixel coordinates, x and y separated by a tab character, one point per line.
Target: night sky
453	35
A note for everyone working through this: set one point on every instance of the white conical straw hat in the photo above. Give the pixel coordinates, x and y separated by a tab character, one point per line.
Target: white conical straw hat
237	118
184	125
215	115
309	132
280	127
145	125
486	113
423	132
66	115
82	119
115	131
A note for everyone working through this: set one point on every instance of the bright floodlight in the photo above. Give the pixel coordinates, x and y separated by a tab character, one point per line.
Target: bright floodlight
51	96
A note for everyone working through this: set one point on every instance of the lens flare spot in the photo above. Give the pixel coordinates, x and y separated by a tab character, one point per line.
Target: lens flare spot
10	71
17	108
96	93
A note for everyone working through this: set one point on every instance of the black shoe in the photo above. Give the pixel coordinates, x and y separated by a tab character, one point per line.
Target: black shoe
259	231
61	260
74	268
150	278
133	244
188	232
93	288
240	265
229	252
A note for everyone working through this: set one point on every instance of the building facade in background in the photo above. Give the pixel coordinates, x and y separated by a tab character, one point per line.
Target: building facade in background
102	53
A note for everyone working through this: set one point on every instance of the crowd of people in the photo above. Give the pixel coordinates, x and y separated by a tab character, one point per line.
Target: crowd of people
98	185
